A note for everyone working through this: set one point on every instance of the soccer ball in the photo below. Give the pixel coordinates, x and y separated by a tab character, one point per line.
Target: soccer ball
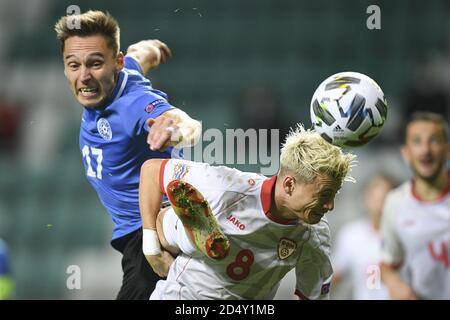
348	109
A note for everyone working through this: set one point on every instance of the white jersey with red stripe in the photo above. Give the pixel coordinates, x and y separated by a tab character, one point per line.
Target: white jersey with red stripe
357	254
263	249
416	236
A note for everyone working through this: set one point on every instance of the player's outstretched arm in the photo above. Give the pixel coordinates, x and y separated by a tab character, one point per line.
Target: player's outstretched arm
149	53
150	199
173	128
398	289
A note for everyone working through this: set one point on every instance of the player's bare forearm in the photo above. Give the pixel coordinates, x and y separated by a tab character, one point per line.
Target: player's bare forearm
398	289
173	128
150	198
149	54
150	195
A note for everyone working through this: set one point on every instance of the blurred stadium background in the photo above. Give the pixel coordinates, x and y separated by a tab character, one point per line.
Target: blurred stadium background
237	64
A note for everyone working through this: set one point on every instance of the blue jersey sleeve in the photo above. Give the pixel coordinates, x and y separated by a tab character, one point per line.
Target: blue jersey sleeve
131	63
4	268
147	106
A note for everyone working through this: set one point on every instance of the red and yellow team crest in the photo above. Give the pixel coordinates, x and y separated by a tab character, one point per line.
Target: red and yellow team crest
286	247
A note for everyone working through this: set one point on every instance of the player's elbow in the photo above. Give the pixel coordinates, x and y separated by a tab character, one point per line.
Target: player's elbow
386	270
383	270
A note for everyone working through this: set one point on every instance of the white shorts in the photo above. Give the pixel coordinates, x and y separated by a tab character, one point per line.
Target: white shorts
176	235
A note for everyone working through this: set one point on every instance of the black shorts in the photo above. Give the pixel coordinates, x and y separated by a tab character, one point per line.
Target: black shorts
139	279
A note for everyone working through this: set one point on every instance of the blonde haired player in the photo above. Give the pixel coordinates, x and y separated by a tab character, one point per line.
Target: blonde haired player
416	218
271	225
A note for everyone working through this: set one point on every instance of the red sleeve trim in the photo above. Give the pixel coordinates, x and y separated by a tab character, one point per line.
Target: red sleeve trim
161	176
299	294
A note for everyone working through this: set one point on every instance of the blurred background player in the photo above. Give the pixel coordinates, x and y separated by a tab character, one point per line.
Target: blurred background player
273	224
415	224
119	105
358	245
6	282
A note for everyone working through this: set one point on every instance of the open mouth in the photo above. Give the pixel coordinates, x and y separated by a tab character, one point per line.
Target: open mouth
316	215
428	162
313	219
88	92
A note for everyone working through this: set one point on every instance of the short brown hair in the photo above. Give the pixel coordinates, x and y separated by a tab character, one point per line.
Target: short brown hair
90	23
430	117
